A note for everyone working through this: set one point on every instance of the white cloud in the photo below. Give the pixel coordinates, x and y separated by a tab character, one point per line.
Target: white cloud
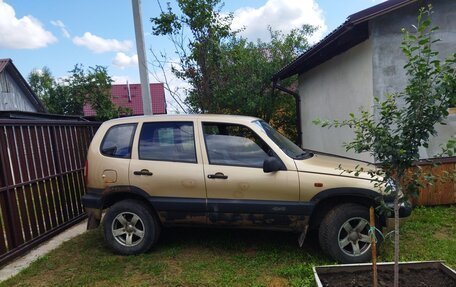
281	15
61	80
62	27
23	33
101	45
38	71
122	60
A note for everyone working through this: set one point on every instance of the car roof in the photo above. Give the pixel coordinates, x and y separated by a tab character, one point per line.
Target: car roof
186	117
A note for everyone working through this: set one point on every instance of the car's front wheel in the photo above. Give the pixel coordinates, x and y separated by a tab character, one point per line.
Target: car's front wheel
344	233
130	227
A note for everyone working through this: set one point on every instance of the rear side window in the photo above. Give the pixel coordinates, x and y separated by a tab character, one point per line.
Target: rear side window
118	140
167	141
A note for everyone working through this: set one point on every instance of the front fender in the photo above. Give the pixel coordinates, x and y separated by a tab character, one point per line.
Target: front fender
346	191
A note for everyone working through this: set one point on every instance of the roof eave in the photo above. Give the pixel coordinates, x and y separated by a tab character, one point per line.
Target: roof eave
351	22
23	84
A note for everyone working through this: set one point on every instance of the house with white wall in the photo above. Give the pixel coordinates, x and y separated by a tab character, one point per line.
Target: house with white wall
358	61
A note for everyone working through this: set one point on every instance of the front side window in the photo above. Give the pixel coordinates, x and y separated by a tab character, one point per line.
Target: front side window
167	141
118	140
231	144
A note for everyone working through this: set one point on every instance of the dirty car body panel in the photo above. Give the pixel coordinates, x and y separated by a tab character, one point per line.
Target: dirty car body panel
212	170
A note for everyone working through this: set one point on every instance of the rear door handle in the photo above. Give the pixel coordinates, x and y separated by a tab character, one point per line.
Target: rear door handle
219	175
143	172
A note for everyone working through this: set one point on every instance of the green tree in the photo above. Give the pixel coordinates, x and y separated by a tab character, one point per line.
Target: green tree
68	96
227	73
54	95
247	69
406	120
93	87
199	56
42	83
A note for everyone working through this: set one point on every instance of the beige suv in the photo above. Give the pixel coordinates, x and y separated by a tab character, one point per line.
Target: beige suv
218	170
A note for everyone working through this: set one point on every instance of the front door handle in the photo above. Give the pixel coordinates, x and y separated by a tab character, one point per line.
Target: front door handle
142	172
217	175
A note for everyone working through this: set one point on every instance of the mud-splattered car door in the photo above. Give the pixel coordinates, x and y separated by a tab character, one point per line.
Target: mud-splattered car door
239	192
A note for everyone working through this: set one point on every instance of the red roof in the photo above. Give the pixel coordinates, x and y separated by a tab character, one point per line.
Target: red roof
119	96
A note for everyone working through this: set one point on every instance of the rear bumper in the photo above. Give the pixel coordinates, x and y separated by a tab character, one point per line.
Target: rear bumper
93	205
92	200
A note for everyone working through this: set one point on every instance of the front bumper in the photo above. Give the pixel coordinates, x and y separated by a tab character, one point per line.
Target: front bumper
405	210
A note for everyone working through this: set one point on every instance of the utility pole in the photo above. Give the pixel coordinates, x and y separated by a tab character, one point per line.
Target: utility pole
142	62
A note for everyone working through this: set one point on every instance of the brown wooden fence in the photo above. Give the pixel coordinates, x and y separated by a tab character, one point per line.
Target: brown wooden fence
41	180
442	192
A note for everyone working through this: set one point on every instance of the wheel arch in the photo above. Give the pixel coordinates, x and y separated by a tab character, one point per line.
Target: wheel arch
119	193
328	199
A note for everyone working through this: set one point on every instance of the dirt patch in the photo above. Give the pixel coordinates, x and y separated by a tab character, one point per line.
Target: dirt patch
442	235
407	278
277	282
136	279
250	251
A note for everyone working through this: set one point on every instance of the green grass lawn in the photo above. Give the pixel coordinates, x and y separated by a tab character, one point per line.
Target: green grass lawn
212	257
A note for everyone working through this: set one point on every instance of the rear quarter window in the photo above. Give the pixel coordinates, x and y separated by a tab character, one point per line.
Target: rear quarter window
118	141
167	141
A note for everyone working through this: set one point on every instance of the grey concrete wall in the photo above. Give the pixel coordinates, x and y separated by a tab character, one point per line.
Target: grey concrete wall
332	90
12	97
388	60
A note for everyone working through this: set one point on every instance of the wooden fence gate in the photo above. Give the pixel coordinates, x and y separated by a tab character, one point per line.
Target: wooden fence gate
41	180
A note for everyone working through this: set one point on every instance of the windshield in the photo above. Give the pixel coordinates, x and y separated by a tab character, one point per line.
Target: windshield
287	146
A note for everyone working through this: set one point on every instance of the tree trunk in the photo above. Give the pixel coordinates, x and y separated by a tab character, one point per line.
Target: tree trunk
396	240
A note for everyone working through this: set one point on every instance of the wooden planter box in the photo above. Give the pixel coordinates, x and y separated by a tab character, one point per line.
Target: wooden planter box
410	274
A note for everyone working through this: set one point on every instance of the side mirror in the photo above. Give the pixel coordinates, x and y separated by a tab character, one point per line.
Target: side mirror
272	164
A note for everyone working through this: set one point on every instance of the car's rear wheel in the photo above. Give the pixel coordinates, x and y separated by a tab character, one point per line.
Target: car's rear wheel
130	227
344	233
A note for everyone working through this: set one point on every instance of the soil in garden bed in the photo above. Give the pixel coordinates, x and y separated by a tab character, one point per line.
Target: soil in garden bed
407	278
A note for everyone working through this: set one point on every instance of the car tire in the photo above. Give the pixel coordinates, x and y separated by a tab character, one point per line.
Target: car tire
344	233
130	227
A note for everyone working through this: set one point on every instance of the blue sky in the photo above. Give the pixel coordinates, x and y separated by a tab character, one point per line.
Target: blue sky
58	34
